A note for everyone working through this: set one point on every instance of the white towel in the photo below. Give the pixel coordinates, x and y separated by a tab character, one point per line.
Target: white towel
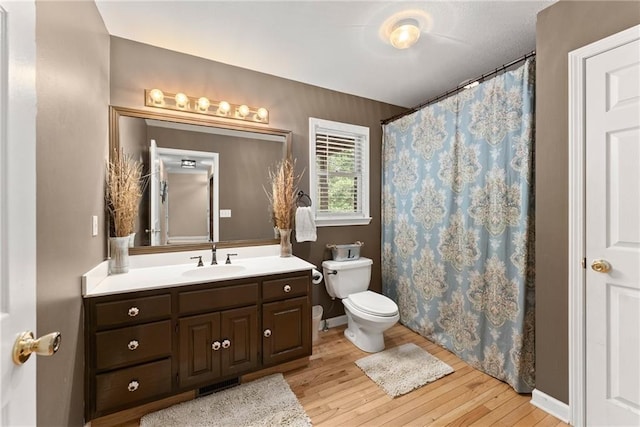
305	225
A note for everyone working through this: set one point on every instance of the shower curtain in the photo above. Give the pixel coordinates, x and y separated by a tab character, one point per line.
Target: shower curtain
458	226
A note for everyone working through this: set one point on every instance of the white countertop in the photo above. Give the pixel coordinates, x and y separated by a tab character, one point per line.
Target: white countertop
97	283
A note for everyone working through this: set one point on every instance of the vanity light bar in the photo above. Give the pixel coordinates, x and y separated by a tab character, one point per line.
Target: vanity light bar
181	102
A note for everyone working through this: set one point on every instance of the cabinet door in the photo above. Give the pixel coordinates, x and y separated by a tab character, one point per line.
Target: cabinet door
240	340
200	349
286	330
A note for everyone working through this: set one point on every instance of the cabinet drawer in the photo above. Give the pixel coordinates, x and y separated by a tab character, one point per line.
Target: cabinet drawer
130	385
134	310
217	298
285	288
133	344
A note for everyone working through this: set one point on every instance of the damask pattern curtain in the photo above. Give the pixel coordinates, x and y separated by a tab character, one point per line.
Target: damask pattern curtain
458	224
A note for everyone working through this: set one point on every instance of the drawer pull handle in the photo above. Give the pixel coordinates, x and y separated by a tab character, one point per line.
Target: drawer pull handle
133	344
133	311
287	288
226	344
267	333
133	385
215	346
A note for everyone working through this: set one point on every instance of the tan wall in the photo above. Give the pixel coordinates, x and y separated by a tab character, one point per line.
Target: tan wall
188	200
243	174
561	28
135	67
133	140
72	83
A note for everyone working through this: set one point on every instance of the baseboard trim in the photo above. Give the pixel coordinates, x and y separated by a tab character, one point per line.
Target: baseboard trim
550	405
335	321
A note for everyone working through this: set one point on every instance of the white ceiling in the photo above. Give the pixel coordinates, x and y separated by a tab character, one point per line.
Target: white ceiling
339	45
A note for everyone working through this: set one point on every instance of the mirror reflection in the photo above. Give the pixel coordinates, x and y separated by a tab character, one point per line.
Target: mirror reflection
206	179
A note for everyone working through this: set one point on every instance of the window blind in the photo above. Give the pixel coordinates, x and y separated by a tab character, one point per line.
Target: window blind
339	172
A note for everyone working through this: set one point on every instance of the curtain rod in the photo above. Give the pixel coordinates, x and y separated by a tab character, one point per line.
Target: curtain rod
460	87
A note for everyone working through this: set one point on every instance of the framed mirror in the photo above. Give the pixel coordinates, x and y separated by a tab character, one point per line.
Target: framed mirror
206	179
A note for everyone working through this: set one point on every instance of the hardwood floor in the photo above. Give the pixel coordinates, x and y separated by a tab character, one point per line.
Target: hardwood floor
335	392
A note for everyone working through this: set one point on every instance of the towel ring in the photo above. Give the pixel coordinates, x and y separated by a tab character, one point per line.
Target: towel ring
303	199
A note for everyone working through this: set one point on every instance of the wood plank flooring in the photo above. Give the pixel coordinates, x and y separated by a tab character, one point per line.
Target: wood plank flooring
335	392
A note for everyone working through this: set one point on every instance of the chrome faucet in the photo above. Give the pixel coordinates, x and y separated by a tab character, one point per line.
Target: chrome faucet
228	261
199	258
214	261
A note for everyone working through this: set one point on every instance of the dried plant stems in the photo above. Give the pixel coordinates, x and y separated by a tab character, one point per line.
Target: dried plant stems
124	190
284	184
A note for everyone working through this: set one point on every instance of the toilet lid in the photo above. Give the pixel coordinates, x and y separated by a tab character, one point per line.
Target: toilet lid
373	303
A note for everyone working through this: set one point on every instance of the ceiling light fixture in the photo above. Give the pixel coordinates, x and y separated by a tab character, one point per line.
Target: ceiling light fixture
203	105
188	164
405	33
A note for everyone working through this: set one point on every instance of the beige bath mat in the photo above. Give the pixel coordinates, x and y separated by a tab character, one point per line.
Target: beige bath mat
267	401
402	369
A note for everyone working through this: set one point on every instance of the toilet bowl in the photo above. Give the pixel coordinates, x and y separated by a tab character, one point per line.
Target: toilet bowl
369	314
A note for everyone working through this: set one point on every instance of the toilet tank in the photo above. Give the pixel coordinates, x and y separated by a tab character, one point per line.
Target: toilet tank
343	278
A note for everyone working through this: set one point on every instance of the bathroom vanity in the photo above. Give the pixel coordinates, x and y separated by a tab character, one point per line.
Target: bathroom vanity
159	331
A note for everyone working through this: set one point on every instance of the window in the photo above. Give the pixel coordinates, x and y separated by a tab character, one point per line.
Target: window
339	172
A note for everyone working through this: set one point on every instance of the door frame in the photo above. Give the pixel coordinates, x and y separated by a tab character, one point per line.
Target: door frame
577	216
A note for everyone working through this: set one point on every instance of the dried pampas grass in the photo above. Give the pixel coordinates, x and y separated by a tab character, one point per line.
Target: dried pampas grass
282	197
125	185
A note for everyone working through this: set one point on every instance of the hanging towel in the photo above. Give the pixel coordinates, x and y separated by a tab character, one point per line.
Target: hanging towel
305	225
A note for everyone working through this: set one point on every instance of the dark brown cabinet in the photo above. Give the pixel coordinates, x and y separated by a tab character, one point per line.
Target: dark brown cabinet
199	349
147	345
285	330
216	345
239	340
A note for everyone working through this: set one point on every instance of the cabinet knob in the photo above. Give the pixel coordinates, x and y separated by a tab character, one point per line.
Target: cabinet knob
287	288
133	311
133	344
267	333
133	385
226	344
216	345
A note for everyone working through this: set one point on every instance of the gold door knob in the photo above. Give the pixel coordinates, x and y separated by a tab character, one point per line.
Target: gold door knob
600	266
25	344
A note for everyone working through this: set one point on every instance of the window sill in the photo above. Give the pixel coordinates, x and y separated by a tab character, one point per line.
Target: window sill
338	222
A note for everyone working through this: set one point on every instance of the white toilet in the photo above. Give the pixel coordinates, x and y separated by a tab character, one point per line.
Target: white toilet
368	314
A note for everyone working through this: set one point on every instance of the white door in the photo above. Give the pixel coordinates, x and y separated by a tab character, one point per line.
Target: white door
612	109
154	188
17	208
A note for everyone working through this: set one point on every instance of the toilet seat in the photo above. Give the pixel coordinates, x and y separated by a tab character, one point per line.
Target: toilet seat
374	304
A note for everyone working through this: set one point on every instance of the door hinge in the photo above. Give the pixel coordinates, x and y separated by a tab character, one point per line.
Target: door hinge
584	263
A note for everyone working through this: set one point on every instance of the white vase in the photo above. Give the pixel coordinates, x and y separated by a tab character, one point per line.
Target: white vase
118	255
132	240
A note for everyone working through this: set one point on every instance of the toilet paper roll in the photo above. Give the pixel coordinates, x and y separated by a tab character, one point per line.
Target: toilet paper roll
316	276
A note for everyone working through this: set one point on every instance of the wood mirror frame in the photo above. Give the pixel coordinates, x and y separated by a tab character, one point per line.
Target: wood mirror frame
191	119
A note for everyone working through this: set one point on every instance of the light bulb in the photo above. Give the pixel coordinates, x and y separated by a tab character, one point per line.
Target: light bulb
262	113
243	110
203	104
405	33
181	100
224	108
157	97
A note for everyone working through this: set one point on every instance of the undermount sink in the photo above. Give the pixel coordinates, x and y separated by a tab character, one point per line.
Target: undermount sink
215	270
